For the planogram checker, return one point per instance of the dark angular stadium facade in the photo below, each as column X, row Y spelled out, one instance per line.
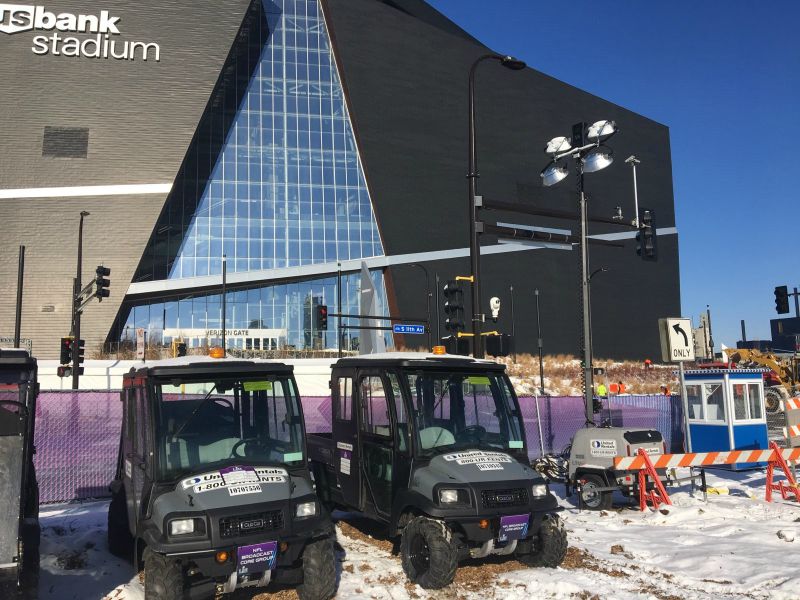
column 294, row 138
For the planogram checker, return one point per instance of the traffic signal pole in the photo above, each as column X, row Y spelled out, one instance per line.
column 76, row 309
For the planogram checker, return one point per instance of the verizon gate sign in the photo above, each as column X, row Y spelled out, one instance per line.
column 98, row 40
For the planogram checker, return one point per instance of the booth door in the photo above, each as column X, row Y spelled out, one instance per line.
column 708, row 426
column 749, row 420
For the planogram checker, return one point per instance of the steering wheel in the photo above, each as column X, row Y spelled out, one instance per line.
column 472, row 433
column 252, row 440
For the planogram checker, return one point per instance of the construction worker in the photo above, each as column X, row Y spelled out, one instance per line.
column 621, row 387
column 602, row 391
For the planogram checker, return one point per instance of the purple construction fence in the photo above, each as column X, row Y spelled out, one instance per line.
column 77, row 433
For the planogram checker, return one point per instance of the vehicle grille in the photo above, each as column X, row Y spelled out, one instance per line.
column 503, row 498
column 249, row 524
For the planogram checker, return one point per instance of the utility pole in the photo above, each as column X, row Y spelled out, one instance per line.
column 224, row 307
column 540, row 345
column 20, row 279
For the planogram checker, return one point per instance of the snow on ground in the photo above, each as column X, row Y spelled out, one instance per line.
column 734, row 546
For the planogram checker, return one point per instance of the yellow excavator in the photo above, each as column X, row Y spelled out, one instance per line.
column 782, row 381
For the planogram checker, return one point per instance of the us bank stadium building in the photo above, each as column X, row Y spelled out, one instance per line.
column 297, row 138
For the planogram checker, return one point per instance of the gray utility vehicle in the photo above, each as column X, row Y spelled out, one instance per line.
column 212, row 490
column 591, row 462
column 434, row 448
column 19, row 492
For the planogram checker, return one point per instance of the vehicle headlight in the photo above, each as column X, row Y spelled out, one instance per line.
column 306, row 509
column 448, row 496
column 539, row 490
column 181, row 526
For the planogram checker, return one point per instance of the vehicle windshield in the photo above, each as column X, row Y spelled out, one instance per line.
column 206, row 424
column 464, row 410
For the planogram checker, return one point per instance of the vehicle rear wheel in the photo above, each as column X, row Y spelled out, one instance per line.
column 773, row 396
column 319, row 571
column 592, row 499
column 552, row 545
column 120, row 540
column 163, row 577
column 428, row 553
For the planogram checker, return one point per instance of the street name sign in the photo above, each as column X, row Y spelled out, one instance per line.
column 412, row 329
column 677, row 343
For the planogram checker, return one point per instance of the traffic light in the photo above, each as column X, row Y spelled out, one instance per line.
column 65, row 351
column 454, row 306
column 78, row 346
column 102, row 283
column 646, row 237
column 321, row 320
column 64, row 371
column 781, row 299
column 181, row 348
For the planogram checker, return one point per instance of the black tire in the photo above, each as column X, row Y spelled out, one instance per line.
column 591, row 499
column 120, row 540
column 429, row 553
column 319, row 571
column 551, row 545
column 772, row 398
column 163, row 577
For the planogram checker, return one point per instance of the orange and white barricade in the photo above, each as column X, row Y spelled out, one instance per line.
column 790, row 404
column 774, row 457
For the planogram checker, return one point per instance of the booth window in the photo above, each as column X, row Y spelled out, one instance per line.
column 740, row 401
column 756, row 401
column 694, row 397
column 715, row 402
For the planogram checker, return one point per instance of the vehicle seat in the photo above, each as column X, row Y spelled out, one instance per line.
column 431, row 437
column 177, row 454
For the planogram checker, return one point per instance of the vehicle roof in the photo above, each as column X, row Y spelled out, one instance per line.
column 418, row 360
column 17, row 358
column 205, row 365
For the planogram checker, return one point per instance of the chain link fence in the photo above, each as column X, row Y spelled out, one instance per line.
column 77, row 432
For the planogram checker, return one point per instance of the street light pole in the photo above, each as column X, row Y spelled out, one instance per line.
column 586, row 338
column 472, row 177
column 76, row 313
column 633, row 161
column 427, row 301
column 539, row 344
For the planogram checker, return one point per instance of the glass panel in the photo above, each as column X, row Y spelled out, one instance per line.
column 756, row 401
column 400, row 413
column 374, row 407
column 694, row 397
column 715, row 403
column 739, row 401
column 345, row 406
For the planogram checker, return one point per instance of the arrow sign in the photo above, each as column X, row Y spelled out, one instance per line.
column 678, row 329
column 677, row 343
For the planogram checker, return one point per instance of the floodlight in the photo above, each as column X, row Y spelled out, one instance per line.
column 553, row 173
column 557, row 145
column 512, row 63
column 601, row 130
column 597, row 159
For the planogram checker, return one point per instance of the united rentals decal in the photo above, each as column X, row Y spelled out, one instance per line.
column 99, row 43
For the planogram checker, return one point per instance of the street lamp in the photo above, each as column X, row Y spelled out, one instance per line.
column 512, row 63
column 590, row 155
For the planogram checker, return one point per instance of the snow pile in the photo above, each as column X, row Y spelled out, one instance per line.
column 733, row 546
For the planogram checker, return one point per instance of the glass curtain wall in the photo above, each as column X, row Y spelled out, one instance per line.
column 288, row 188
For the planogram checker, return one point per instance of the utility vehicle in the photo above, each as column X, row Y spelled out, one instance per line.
column 19, row 491
column 433, row 447
column 212, row 489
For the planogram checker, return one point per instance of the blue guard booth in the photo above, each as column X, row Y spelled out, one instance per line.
column 726, row 410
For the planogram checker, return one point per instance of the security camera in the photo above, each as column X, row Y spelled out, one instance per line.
column 494, row 304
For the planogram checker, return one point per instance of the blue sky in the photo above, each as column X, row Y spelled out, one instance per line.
column 725, row 78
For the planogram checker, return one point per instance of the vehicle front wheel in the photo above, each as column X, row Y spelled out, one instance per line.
column 551, row 545
column 428, row 553
column 593, row 499
column 163, row 577
column 319, row 571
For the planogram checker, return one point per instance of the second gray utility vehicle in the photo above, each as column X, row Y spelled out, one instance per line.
column 434, row 448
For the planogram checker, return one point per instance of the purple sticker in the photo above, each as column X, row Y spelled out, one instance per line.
column 513, row 527
column 238, row 475
column 257, row 558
